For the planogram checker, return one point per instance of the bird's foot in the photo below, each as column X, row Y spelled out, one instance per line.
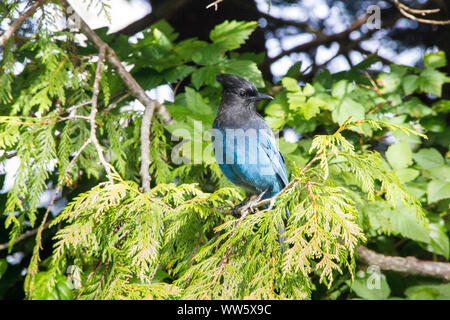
column 236, row 210
column 251, row 203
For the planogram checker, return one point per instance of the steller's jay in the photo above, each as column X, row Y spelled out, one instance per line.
column 244, row 144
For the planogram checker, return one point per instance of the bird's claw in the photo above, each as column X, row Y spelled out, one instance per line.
column 249, row 205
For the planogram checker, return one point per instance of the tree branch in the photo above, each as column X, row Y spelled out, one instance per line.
column 408, row 265
column 321, row 39
column 16, row 25
column 145, row 149
column 132, row 85
column 94, row 108
column 409, row 13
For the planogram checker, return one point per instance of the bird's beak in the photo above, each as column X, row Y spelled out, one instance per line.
column 262, row 96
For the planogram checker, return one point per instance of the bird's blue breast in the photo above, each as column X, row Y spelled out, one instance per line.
column 250, row 159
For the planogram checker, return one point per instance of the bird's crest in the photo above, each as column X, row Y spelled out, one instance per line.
column 230, row 81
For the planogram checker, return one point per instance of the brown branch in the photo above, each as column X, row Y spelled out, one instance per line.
column 23, row 236
column 408, row 265
column 283, row 22
column 409, row 13
column 132, row 85
column 16, row 25
column 145, row 149
column 214, row 4
column 323, row 39
column 94, row 108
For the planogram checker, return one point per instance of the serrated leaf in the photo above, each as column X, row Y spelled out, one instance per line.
column 435, row 60
column 290, row 84
column 209, row 55
column 407, row 174
column 206, row 75
column 371, row 286
column 308, row 90
column 441, row 173
column 438, row 190
column 410, row 83
column 399, row 155
column 435, row 291
column 439, row 242
column 312, row 107
column 431, row 81
column 245, row 69
column 429, row 158
column 232, row 34
column 347, row 108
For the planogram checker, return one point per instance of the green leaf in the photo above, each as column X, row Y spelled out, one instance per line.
column 341, row 88
column 3, row 267
column 296, row 100
column 438, row 291
column 245, row 69
column 348, row 107
column 429, row 158
column 196, row 103
column 431, row 81
column 64, row 287
column 435, row 60
column 422, row 293
column 438, row 190
column 389, row 82
column 232, row 34
column 407, row 174
column 311, row 108
column 209, row 55
column 187, row 48
column 286, row 147
column 290, row 84
column 294, row 70
column 441, row 173
column 399, row 155
column 410, row 84
column 439, row 242
column 206, row 75
column 308, row 90
column 371, row 286
column 397, row 221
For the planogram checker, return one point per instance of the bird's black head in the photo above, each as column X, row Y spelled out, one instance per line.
column 240, row 90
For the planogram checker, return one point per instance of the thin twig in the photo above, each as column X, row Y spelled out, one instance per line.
column 115, row 103
column 93, row 133
column 132, row 85
column 145, row 149
column 409, row 13
column 16, row 25
column 215, row 4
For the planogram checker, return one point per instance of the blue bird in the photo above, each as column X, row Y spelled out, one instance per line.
column 244, row 144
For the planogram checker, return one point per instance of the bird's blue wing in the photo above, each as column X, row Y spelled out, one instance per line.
column 269, row 145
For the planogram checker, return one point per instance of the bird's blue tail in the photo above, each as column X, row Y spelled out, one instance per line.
column 281, row 228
